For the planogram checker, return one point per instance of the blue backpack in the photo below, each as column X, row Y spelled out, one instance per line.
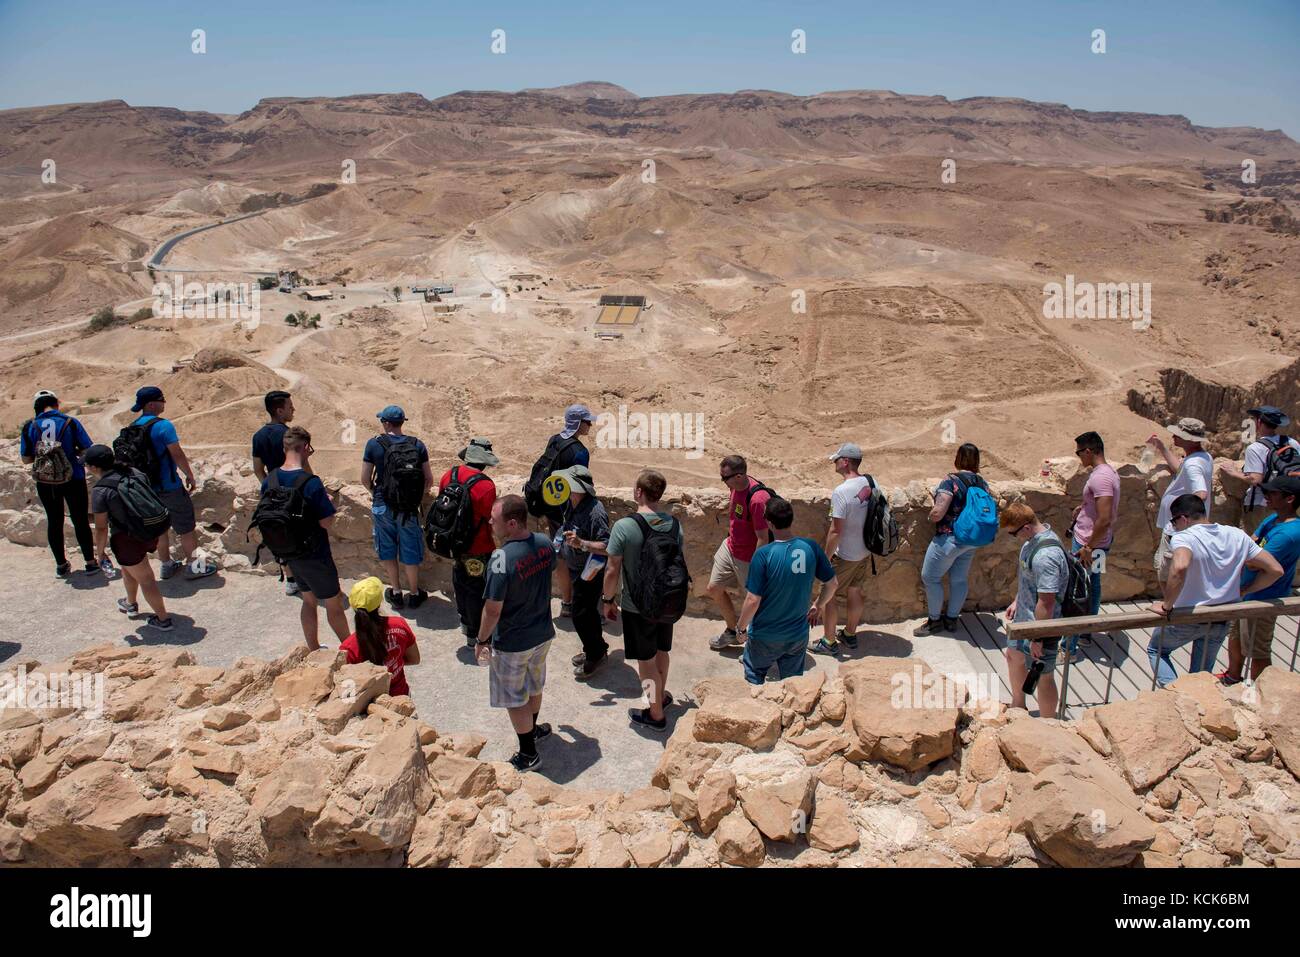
column 977, row 522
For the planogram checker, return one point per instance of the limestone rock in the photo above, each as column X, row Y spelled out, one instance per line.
column 909, row 736
column 833, row 827
column 1279, row 704
column 982, row 760
column 739, row 842
column 984, row 842
column 1147, row 736
column 376, row 806
column 715, row 799
column 748, row 721
column 1214, row 710
column 458, row 777
column 223, row 719
column 90, row 817
column 775, row 792
column 1078, row 822
column 290, row 798
column 651, row 849
column 435, row 839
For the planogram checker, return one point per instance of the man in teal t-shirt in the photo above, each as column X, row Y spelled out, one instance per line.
column 1279, row 535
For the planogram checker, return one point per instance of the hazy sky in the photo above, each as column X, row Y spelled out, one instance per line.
column 1218, row 63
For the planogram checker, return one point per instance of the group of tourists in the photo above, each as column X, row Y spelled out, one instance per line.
column 633, row 570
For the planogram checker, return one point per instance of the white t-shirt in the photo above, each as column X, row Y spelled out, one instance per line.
column 1218, row 554
column 845, row 504
column 1256, row 463
column 1196, row 475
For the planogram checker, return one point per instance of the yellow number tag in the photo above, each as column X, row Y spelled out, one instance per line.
column 555, row 490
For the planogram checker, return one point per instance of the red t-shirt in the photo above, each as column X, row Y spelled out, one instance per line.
column 743, row 528
column 400, row 637
column 481, row 498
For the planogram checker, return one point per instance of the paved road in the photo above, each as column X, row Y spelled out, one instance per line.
column 223, row 617
column 155, row 261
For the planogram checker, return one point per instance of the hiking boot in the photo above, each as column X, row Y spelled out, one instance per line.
column 541, row 731
column 932, row 626
column 586, row 667
column 642, row 719
column 169, row 568
column 566, row 609
column 525, row 762
column 161, row 624
column 394, row 598
column 63, row 568
column 948, row 624
column 127, row 607
column 850, row 640
column 202, row 570
column 727, row 639
column 291, row 587
column 417, row 599
column 824, row 647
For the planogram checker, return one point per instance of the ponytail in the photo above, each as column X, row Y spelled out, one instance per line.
column 372, row 636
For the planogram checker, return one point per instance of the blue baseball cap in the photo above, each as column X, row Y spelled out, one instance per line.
column 391, row 413
column 145, row 395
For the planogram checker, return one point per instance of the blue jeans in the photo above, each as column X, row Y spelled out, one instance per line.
column 397, row 536
column 945, row 557
column 1094, row 602
column 759, row 656
column 1206, row 640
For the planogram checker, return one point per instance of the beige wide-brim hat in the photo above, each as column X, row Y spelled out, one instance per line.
column 1193, row 430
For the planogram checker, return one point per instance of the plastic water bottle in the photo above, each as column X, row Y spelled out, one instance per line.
column 1148, row 459
column 1046, row 470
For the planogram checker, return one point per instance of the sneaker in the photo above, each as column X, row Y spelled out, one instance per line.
column 931, row 626
column 578, row 659
column 471, row 642
column 668, row 700
column 159, row 623
column 106, row 566
column 541, row 731
column 127, row 607
column 586, row 667
column 291, row 587
column 727, row 639
column 642, row 719
column 526, row 762
column 850, row 640
column 168, row 569
column 1084, row 639
column 948, row 624
column 417, row 599
column 1227, row 679
column 63, row 568
column 394, row 598
column 824, row 647
column 202, row 570
column 566, row 609
column 92, row 567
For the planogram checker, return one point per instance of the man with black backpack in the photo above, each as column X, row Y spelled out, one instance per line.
column 52, row 443
column 746, row 508
column 847, row 547
column 562, row 450
column 151, row 444
column 459, row 527
column 585, row 532
column 395, row 467
column 293, row 516
column 1272, row 455
column 268, row 447
column 1044, row 579
column 646, row 575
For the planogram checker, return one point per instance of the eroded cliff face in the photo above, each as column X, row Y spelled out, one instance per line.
column 309, row 761
column 228, row 493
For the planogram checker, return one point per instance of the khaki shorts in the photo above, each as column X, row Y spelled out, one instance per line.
column 727, row 569
column 515, row 676
column 851, row 574
column 1255, row 636
column 1163, row 557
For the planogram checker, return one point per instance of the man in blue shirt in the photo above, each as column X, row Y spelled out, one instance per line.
column 48, row 429
column 268, row 448
column 317, row 575
column 1279, row 535
column 150, row 403
column 778, row 604
column 398, row 534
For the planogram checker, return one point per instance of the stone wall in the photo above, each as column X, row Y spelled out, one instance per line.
column 228, row 492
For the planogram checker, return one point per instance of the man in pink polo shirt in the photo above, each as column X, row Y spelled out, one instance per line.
column 746, row 519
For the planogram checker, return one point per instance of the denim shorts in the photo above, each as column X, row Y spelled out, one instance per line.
column 759, row 656
column 1049, row 651
column 397, row 536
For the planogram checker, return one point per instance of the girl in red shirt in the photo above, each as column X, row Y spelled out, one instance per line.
column 380, row 639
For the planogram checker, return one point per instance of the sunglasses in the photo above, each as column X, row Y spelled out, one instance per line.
column 728, row 476
column 1017, row 531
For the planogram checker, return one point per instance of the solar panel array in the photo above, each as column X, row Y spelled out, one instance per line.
column 638, row 301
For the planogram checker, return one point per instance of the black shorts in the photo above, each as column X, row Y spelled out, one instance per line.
column 317, row 574
column 130, row 551
column 642, row 639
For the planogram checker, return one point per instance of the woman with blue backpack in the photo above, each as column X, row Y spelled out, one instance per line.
column 965, row 518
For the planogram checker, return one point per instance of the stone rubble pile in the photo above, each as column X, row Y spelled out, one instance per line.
column 309, row 761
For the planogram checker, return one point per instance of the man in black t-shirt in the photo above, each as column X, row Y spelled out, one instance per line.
column 268, row 451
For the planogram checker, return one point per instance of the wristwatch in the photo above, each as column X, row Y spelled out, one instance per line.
column 607, row 601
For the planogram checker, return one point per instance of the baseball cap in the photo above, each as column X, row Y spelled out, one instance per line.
column 391, row 413
column 100, row 456
column 847, row 451
column 1286, row 484
column 1271, row 416
column 574, row 416
column 145, row 395
column 367, row 594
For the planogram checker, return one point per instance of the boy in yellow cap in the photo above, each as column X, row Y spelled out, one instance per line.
column 380, row 639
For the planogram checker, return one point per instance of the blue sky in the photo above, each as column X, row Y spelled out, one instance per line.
column 1218, row 63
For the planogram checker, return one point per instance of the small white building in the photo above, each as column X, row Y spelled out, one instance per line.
column 316, row 293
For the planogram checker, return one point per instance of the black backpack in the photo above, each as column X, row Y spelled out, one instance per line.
column 134, row 506
column 401, row 477
column 288, row 527
column 449, row 527
column 662, row 585
column 134, row 447
column 1078, row 587
column 51, row 464
column 879, row 530
column 542, row 469
column 1283, row 460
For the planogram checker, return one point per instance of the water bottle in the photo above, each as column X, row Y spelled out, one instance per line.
column 1147, row 459
column 1046, row 470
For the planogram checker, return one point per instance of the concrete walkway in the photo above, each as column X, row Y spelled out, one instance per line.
column 230, row 615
